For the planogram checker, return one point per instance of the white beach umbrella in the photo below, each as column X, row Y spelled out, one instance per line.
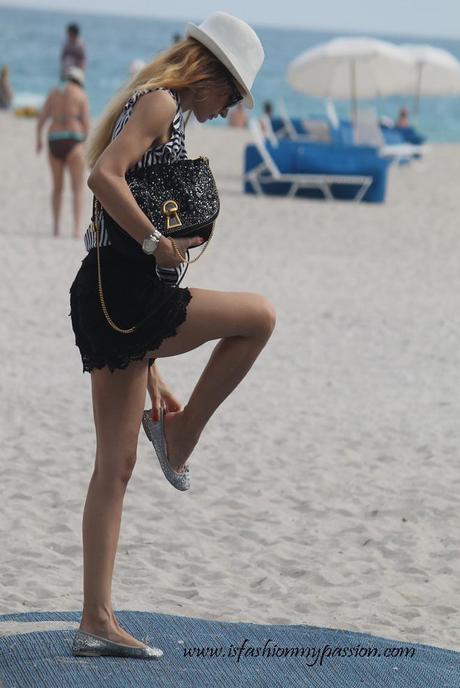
column 355, row 68
column 437, row 72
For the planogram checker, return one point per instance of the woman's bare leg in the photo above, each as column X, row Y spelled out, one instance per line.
column 244, row 322
column 76, row 164
column 57, row 174
column 118, row 403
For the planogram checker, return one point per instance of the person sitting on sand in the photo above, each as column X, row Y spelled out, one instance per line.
column 403, row 118
column 6, row 92
column 267, row 114
column 68, row 109
column 207, row 73
column 268, row 109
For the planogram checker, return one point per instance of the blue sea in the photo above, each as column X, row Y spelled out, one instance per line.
column 31, row 40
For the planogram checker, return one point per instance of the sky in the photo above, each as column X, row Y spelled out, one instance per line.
column 436, row 18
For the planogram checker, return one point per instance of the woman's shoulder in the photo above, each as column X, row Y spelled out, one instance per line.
column 154, row 105
column 147, row 109
column 53, row 99
column 156, row 94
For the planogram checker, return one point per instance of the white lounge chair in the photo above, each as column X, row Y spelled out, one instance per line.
column 268, row 130
column 267, row 171
column 331, row 113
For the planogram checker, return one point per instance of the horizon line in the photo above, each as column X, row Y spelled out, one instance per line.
column 274, row 25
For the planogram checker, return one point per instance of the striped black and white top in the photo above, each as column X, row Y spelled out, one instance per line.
column 172, row 150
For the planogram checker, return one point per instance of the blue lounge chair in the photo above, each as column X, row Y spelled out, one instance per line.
column 407, row 134
column 285, row 170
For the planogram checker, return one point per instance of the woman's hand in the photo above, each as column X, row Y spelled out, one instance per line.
column 160, row 394
column 166, row 256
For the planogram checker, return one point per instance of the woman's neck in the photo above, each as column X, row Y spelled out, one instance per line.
column 185, row 97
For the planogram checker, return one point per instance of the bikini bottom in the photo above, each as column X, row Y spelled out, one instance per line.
column 61, row 143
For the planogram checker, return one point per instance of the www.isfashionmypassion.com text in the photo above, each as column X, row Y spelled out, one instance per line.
column 311, row 655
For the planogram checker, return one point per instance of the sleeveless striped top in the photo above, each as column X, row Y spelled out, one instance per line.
column 174, row 149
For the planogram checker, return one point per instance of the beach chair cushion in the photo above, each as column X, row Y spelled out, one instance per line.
column 408, row 134
column 392, row 136
column 319, row 158
column 343, row 134
column 277, row 124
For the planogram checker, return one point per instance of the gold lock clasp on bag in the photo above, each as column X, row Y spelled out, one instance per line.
column 169, row 210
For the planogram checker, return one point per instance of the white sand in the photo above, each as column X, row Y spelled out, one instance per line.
column 325, row 489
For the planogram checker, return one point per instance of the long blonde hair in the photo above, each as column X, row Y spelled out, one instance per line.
column 187, row 64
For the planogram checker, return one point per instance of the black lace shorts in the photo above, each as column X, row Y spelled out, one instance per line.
column 133, row 293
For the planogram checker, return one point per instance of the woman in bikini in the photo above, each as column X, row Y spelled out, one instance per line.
column 67, row 108
column 207, row 73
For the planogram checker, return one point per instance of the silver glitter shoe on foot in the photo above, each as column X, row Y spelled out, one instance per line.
column 89, row 645
column 155, row 433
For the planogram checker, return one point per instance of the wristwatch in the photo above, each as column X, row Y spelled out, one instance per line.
column 150, row 243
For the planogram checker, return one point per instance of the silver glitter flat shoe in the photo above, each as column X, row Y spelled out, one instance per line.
column 89, row 645
column 155, row 433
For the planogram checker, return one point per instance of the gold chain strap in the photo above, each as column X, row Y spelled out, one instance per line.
column 184, row 258
column 94, row 226
column 129, row 330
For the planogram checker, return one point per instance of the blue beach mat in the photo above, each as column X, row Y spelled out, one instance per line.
column 35, row 652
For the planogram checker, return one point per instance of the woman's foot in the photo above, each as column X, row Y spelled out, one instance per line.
column 180, row 443
column 110, row 631
column 113, row 633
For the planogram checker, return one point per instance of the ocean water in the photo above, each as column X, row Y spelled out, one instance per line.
column 31, row 41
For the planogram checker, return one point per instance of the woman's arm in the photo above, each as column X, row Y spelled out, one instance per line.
column 150, row 121
column 85, row 116
column 160, row 394
column 45, row 113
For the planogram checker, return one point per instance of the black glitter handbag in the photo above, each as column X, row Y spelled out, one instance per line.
column 179, row 198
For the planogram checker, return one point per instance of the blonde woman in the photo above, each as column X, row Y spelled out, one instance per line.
column 67, row 109
column 144, row 125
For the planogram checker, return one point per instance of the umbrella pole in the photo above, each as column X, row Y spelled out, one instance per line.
column 418, row 88
column 353, row 90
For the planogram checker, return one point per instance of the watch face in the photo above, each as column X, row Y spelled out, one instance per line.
column 149, row 245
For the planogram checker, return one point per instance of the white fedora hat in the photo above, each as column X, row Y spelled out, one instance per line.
column 235, row 44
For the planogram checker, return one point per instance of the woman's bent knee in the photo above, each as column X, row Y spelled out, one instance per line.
column 218, row 315
column 266, row 316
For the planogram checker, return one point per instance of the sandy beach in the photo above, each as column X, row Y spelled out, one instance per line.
column 325, row 489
